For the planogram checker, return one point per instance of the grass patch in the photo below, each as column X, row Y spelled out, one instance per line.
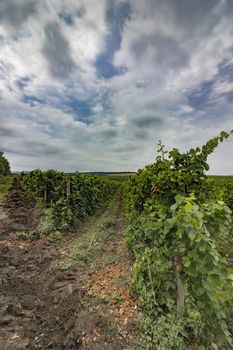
column 95, row 233
column 108, row 224
column 46, row 227
column 55, row 236
column 90, row 245
column 25, row 235
column 5, row 185
column 123, row 281
column 107, row 259
column 113, row 299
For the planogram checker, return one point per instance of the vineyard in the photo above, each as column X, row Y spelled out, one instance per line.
column 68, row 198
column 180, row 233
column 142, row 261
column 63, row 265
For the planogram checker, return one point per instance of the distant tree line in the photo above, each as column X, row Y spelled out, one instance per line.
column 4, row 165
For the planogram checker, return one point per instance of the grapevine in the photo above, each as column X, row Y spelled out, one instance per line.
column 177, row 224
column 50, row 189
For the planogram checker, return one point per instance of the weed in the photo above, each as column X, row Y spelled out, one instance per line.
column 81, row 256
column 64, row 265
column 108, row 224
column 106, row 259
column 55, row 236
column 5, row 185
column 123, row 281
column 47, row 225
column 85, row 303
column 117, row 299
column 27, row 235
column 105, row 298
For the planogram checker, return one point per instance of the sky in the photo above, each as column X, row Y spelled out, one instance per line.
column 94, row 85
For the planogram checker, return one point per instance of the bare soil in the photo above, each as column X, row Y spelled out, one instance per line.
column 44, row 307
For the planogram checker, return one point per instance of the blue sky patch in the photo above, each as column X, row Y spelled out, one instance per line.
column 81, row 109
column 32, row 100
column 199, row 97
column 116, row 17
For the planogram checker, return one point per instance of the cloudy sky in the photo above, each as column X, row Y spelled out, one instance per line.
column 93, row 85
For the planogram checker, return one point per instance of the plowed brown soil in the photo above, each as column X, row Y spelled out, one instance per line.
column 42, row 307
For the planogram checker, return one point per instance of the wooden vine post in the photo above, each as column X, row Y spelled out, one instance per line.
column 180, row 286
column 45, row 193
column 68, row 187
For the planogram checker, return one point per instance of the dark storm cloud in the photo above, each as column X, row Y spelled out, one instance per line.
column 81, row 11
column 67, row 18
column 32, row 100
column 56, row 50
column 225, row 70
column 229, row 96
column 23, row 82
column 141, row 134
column 15, row 14
column 128, row 148
column 167, row 50
column 41, row 149
column 147, row 122
column 32, row 149
column 107, row 135
column 7, row 132
column 194, row 14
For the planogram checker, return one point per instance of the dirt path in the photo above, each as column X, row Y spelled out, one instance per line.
column 72, row 295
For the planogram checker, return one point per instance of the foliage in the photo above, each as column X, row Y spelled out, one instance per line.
column 165, row 333
column 179, row 173
column 175, row 232
column 47, row 225
column 221, row 187
column 26, row 235
column 5, row 185
column 227, row 194
column 68, row 197
column 55, row 236
column 61, row 214
column 50, row 184
column 4, row 165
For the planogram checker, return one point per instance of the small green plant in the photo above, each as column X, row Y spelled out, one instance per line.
column 107, row 258
column 61, row 214
column 65, row 265
column 108, row 224
column 81, row 256
column 123, row 281
column 47, row 224
column 105, row 298
column 167, row 332
column 117, row 299
column 55, row 236
column 26, row 235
